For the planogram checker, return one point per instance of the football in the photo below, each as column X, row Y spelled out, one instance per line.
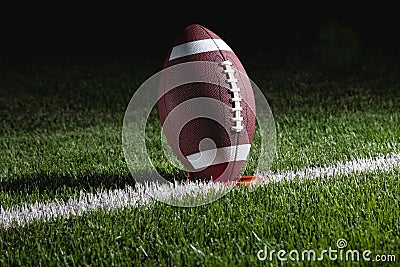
column 214, row 144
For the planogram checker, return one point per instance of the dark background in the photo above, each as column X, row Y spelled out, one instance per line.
column 66, row 29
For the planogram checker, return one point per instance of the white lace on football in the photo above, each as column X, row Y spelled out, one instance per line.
column 235, row 100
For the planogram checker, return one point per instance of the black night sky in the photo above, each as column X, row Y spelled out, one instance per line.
column 65, row 29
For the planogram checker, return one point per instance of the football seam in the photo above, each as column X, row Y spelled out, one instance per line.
column 227, row 58
column 238, row 135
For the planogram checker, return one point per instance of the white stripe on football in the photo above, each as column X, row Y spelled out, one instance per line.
column 219, row 155
column 198, row 46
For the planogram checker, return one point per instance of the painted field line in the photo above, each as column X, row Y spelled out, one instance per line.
column 21, row 215
column 379, row 163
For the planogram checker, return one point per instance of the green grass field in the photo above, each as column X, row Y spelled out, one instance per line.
column 60, row 134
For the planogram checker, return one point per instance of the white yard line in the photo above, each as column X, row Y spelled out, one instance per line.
column 379, row 163
column 141, row 196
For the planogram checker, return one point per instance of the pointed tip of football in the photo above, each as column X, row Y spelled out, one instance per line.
column 195, row 32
